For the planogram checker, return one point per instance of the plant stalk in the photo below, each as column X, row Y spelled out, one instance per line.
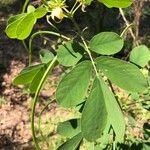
column 25, row 6
column 35, row 99
column 85, row 44
column 39, row 33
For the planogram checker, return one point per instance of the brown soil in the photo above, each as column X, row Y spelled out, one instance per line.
column 15, row 105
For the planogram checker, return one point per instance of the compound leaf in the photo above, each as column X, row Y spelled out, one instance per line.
column 12, row 25
column 25, row 26
column 22, row 27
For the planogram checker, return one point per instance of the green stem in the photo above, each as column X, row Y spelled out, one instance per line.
column 35, row 99
column 39, row 33
column 114, row 145
column 86, row 46
column 25, row 45
column 127, row 24
column 39, row 123
column 23, row 10
column 76, row 9
column 126, row 29
column 40, row 120
column 73, row 7
column 89, row 53
column 25, row 6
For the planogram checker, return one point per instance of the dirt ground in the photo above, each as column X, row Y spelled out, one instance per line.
column 15, row 104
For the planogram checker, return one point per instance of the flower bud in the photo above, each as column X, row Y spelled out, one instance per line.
column 58, row 13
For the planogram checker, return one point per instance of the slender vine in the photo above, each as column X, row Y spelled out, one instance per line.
column 39, row 33
column 85, row 44
column 23, row 10
column 126, row 30
column 40, row 120
column 25, row 6
column 128, row 25
column 35, row 99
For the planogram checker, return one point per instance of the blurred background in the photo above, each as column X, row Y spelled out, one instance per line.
column 15, row 102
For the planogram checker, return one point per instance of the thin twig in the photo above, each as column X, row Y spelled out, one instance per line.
column 127, row 23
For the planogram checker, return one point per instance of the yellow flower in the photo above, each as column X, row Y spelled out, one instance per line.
column 58, row 13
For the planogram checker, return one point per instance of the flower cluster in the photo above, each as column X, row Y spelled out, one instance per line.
column 56, row 7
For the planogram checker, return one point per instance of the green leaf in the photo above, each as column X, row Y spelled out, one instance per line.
column 37, row 79
column 22, row 27
column 46, row 56
column 12, row 25
column 98, row 147
column 140, row 55
column 69, row 128
column 26, row 75
column 106, row 43
column 71, row 144
column 69, row 53
column 87, row 2
column 25, row 26
column 73, row 87
column 40, row 12
column 14, row 18
column 30, row 9
column 94, row 115
column 117, row 3
column 115, row 116
column 124, row 74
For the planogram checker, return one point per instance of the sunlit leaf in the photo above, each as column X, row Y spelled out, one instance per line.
column 140, row 55
column 40, row 12
column 30, row 9
column 117, row 3
column 26, row 75
column 36, row 80
column 22, row 27
column 106, row 43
